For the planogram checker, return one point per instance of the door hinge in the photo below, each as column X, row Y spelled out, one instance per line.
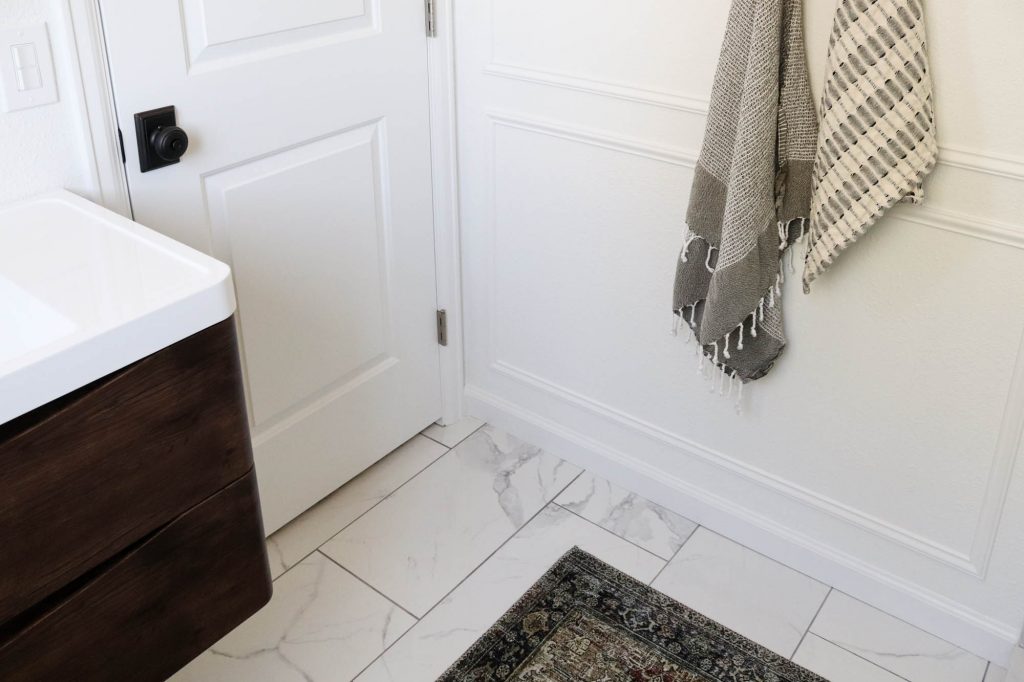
column 120, row 140
column 431, row 11
column 442, row 327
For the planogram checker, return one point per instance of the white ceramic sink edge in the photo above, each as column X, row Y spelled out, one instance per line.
column 85, row 292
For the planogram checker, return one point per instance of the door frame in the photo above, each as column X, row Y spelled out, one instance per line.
column 103, row 150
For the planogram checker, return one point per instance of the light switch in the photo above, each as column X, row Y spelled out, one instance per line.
column 26, row 68
column 29, row 78
column 24, row 56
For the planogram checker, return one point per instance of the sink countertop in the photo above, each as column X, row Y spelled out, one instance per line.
column 85, row 292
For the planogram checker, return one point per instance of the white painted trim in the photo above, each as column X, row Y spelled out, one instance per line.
column 972, row 160
column 447, row 236
column 595, row 138
column 1005, row 234
column 752, row 475
column 1009, row 449
column 998, row 165
column 928, row 610
column 668, row 100
column 99, row 116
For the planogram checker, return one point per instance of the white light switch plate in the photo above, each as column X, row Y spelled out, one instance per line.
column 26, row 68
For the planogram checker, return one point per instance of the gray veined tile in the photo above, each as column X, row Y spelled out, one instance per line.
column 462, row 617
column 893, row 644
column 418, row 544
column 743, row 590
column 295, row 541
column 628, row 515
column 836, row 664
column 322, row 625
column 453, row 434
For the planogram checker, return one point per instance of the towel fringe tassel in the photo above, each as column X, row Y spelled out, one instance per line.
column 688, row 238
column 710, row 354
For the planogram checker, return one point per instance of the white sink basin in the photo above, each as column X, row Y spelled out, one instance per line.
column 85, row 292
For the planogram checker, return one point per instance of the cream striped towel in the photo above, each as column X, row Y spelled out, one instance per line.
column 877, row 138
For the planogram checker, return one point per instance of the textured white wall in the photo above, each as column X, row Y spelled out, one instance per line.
column 44, row 148
column 881, row 454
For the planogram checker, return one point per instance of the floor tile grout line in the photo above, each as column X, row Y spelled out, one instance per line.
column 460, row 583
column 452, row 447
column 386, row 597
column 624, row 539
column 295, row 565
column 368, row 510
column 391, row 494
column 658, row 574
column 473, row 572
column 765, row 556
column 439, row 458
column 832, row 588
column 811, row 624
column 856, row 655
column 909, row 624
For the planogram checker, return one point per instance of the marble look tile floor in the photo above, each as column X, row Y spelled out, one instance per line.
column 396, row 574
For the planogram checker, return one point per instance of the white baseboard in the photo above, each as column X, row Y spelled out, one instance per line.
column 927, row 610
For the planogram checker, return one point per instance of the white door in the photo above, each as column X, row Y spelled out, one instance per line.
column 308, row 171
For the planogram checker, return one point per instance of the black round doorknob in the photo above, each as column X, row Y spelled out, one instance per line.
column 169, row 142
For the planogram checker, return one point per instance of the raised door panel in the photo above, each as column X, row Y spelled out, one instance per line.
column 218, row 29
column 227, row 20
column 306, row 233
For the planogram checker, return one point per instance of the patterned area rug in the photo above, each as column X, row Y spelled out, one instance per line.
column 584, row 621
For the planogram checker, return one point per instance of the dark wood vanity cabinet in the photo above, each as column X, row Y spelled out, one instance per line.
column 130, row 529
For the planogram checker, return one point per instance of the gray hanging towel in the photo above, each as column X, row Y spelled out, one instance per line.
column 877, row 141
column 751, row 192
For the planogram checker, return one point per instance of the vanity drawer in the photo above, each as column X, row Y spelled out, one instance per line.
column 151, row 610
column 92, row 473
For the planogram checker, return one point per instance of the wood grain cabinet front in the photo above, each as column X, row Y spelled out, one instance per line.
column 154, row 608
column 83, row 478
column 130, row 521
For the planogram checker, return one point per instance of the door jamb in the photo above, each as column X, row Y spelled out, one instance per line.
column 100, row 129
column 447, row 235
column 96, row 102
